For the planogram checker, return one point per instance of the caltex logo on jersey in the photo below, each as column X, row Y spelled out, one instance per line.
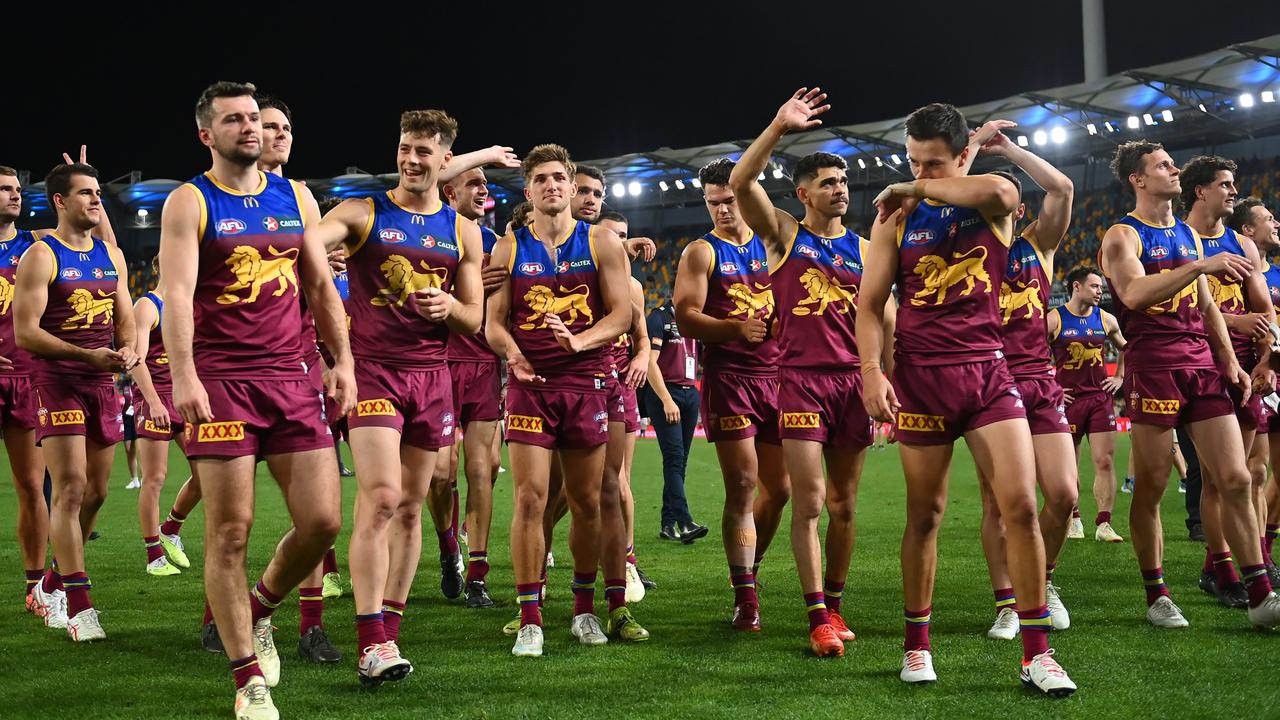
column 952, row 229
column 920, row 237
column 270, row 223
column 231, row 226
column 728, row 267
column 531, row 268
column 1158, row 252
column 563, row 267
column 807, row 251
column 756, row 265
column 391, row 235
column 839, row 261
column 71, row 274
column 1182, row 250
column 428, row 241
column 98, row 274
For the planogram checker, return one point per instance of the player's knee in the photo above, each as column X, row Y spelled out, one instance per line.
column 383, row 502
column 1234, row 483
column 924, row 519
column 739, row 484
column 228, row 538
column 1061, row 498
column 530, row 504
column 408, row 513
column 1104, row 464
column 841, row 511
column 1020, row 512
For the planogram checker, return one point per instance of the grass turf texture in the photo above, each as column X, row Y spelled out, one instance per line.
column 695, row 666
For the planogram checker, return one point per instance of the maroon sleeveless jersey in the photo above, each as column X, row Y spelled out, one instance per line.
column 1169, row 335
column 402, row 254
column 11, row 250
column 80, row 310
column 738, row 288
column 1024, row 295
column 816, row 289
column 157, row 359
column 474, row 348
column 1229, row 294
column 620, row 352
column 949, row 261
column 245, row 308
column 1077, row 350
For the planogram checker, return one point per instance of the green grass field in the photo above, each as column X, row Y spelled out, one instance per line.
column 695, row 667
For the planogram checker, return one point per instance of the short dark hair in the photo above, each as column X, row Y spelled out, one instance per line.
column 545, row 153
column 430, row 123
column 1011, row 178
column 1242, row 215
column 1079, row 274
column 520, row 215
column 1128, row 160
column 267, row 101
column 592, row 172
column 613, row 215
column 58, row 181
column 1199, row 171
column 716, row 172
column 328, row 203
column 808, row 166
column 939, row 120
column 220, row 89
column 6, row 170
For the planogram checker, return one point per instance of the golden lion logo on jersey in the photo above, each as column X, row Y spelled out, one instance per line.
column 749, row 302
column 253, row 272
column 1174, row 304
column 1227, row 296
column 6, row 296
column 542, row 301
column 88, row 308
column 403, row 280
column 1028, row 297
column 1079, row 355
column 939, row 277
column 822, row 292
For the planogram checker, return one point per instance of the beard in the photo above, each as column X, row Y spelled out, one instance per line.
column 239, row 154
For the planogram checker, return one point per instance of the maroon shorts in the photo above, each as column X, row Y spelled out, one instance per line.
column 735, row 407
column 418, row 404
column 1252, row 415
column 337, row 421
column 1168, row 398
column 259, row 418
column 825, row 407
column 148, row 430
column 557, row 418
column 1044, row 403
column 942, row 402
column 94, row 411
column 477, row 391
column 17, row 402
column 623, row 407
column 1092, row 412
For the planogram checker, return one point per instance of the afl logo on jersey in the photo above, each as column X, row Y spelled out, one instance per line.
column 728, row 267
column 531, row 268
column 920, row 237
column 71, row 274
column 1159, row 252
column 807, row 251
column 231, row 226
column 392, row 235
column 1070, row 332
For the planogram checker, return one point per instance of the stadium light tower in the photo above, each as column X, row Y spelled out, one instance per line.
column 1095, row 40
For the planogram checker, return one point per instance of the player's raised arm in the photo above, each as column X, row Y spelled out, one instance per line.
column 494, row 155
column 992, row 195
column 1055, row 212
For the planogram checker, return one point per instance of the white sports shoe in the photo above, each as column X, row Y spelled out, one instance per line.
column 134, row 484
column 1267, row 614
column 382, row 662
column 1046, row 675
column 1075, row 531
column 528, row 642
column 1163, row 613
column 1106, row 533
column 52, row 606
column 253, row 701
column 84, row 627
column 1006, row 625
column 586, row 627
column 264, row 646
column 917, row 667
column 635, row 588
column 551, row 560
column 1057, row 611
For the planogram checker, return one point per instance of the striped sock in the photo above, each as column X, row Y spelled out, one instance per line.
column 331, row 561
column 477, row 565
column 631, row 555
column 208, row 613
column 370, row 630
column 173, row 524
column 245, row 669
column 1048, row 571
column 615, row 593
column 584, row 593
column 1154, row 581
column 1004, row 599
column 917, row 635
column 833, row 592
column 262, row 602
column 77, row 586
column 33, row 579
column 1273, row 531
column 448, row 541
column 154, row 551
column 1103, row 517
column 755, row 565
column 52, row 579
column 1259, row 584
column 310, row 608
column 392, row 616
column 744, row 589
column 1035, row 625
column 530, row 606
column 816, row 605
column 1224, row 571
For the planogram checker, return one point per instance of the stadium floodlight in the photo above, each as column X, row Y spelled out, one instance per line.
column 1202, row 108
column 679, row 184
column 879, row 163
column 1246, row 100
column 1166, row 115
column 777, row 173
column 1093, row 129
column 619, row 190
column 697, row 183
column 1133, row 122
column 896, row 160
column 862, row 164
column 662, row 185
column 1146, row 118
column 633, row 188
column 1022, row 140
column 142, row 213
column 1058, row 135
column 1268, row 96
column 1109, row 126
column 1040, row 137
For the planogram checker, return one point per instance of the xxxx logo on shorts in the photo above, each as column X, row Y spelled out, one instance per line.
column 66, row 417
column 923, row 423
column 735, row 422
column 1151, row 406
column 524, row 423
column 381, row 406
column 221, row 431
column 801, row 420
column 152, row 427
column 1073, row 429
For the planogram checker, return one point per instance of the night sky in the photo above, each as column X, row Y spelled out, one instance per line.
column 601, row 78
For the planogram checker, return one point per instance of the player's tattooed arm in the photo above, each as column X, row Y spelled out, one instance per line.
column 690, row 297
column 179, row 260
column 873, row 295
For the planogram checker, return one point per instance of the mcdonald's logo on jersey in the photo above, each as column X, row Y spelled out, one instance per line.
column 221, row 431
column 251, row 202
column 800, row 420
